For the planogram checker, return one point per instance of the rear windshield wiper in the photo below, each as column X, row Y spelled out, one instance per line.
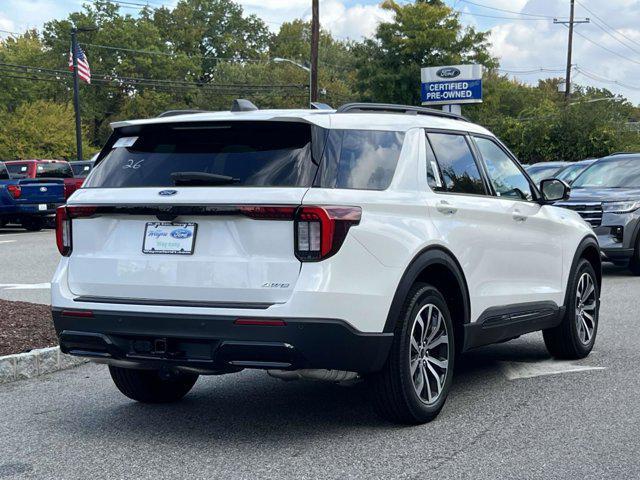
column 201, row 178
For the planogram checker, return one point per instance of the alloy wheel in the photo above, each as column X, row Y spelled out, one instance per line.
column 429, row 353
column 586, row 308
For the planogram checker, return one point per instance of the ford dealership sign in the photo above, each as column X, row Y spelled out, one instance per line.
column 453, row 85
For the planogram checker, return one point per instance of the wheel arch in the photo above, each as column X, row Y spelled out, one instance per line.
column 438, row 267
column 588, row 249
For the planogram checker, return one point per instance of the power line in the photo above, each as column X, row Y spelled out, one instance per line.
column 613, row 52
column 600, row 78
column 462, row 12
column 532, row 70
column 507, row 11
column 615, row 38
column 605, row 23
column 145, row 81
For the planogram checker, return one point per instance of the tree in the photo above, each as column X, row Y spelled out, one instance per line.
column 424, row 33
column 39, row 129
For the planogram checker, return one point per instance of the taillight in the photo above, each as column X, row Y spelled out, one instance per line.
column 15, row 191
column 267, row 212
column 63, row 231
column 320, row 231
column 64, row 215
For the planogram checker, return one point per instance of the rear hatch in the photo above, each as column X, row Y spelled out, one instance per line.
column 193, row 214
column 41, row 192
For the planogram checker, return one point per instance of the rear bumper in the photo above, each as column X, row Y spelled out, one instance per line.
column 33, row 209
column 213, row 344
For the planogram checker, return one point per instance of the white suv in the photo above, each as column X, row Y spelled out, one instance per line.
column 376, row 241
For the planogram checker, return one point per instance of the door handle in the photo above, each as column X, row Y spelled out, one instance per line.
column 445, row 207
column 519, row 217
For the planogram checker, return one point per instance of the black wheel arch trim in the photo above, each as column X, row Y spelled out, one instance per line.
column 433, row 255
column 587, row 242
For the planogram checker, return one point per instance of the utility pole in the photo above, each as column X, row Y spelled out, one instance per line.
column 571, row 22
column 315, row 40
column 76, row 92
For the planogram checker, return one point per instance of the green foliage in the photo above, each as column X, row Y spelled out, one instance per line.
column 424, row 33
column 209, row 52
column 38, row 129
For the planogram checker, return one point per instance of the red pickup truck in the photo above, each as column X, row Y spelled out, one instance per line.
column 46, row 169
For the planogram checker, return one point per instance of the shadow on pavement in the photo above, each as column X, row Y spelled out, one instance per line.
column 255, row 405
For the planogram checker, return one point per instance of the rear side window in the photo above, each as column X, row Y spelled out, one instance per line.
column 360, row 159
column 255, row 154
column 54, row 170
column 4, row 173
column 460, row 172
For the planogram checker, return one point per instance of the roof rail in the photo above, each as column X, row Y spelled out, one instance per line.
column 171, row 113
column 392, row 108
column 242, row 105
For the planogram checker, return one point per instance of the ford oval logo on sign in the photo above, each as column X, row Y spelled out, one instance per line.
column 167, row 193
column 180, row 233
column 43, row 189
column 448, row 72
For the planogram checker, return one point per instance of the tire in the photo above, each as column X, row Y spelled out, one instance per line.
column 575, row 336
column 147, row 386
column 634, row 263
column 32, row 224
column 397, row 392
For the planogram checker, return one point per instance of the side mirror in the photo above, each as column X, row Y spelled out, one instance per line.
column 554, row 190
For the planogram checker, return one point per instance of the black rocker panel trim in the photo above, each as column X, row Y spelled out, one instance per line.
column 497, row 324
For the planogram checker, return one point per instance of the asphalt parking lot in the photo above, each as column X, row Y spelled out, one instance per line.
column 29, row 260
column 513, row 413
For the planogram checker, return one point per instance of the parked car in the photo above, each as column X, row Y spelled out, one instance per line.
column 569, row 173
column 374, row 241
column 543, row 170
column 81, row 169
column 607, row 195
column 28, row 202
column 46, row 169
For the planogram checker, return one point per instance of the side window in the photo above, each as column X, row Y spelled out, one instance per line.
column 4, row 173
column 504, row 174
column 360, row 159
column 460, row 173
column 433, row 172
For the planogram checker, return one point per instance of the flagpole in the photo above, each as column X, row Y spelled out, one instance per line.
column 76, row 92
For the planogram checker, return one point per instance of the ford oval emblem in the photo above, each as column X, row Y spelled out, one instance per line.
column 167, row 193
column 180, row 233
column 43, row 189
column 448, row 72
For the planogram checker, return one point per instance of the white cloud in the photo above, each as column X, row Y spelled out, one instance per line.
column 343, row 18
column 523, row 45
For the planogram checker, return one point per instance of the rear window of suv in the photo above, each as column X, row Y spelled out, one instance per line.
column 253, row 154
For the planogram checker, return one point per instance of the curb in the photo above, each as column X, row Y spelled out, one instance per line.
column 35, row 363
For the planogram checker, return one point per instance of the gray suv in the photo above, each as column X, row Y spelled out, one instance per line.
column 607, row 195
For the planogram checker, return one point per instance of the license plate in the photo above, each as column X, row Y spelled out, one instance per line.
column 42, row 206
column 169, row 238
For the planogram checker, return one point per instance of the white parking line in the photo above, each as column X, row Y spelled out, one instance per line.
column 8, row 241
column 25, row 286
column 518, row 370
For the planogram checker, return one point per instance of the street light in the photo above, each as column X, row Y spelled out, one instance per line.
column 307, row 69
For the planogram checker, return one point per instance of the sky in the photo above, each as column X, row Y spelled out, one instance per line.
column 523, row 36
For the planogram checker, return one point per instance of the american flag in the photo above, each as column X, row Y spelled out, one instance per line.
column 84, row 72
